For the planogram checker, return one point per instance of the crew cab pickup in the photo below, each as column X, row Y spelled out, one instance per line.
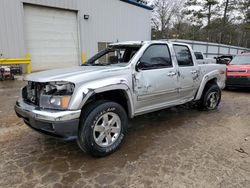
column 93, row 102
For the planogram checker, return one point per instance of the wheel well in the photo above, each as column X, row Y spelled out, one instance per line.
column 208, row 84
column 212, row 81
column 118, row 96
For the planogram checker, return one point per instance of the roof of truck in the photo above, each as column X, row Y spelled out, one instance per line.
column 128, row 43
column 139, row 42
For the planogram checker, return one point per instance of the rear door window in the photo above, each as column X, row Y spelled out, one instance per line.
column 183, row 56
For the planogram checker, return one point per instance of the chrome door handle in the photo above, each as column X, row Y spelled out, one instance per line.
column 171, row 74
column 194, row 71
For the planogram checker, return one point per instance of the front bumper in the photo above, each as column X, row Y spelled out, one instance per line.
column 238, row 81
column 61, row 124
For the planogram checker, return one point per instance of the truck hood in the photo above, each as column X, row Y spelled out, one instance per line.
column 73, row 74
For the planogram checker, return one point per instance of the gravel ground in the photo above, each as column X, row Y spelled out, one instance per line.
column 177, row 147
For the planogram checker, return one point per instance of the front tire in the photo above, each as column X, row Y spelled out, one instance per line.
column 103, row 125
column 210, row 98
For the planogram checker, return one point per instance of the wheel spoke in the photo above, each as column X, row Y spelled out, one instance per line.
column 100, row 138
column 109, row 139
column 112, row 121
column 215, row 97
column 105, row 119
column 211, row 100
column 99, row 128
column 115, row 129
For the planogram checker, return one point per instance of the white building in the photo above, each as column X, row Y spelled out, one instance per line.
column 60, row 33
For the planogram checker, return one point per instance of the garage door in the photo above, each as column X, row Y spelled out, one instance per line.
column 51, row 37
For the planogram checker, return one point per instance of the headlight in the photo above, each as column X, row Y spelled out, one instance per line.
column 57, row 95
column 55, row 102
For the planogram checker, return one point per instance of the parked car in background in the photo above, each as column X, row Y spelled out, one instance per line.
column 92, row 103
column 238, row 72
column 200, row 58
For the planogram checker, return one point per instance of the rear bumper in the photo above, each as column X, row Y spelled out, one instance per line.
column 60, row 124
column 238, row 81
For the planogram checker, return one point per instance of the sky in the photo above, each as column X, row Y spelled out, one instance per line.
column 150, row 1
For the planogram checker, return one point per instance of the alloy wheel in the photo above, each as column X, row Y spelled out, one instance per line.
column 107, row 129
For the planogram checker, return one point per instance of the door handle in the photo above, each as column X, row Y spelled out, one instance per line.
column 194, row 71
column 171, row 74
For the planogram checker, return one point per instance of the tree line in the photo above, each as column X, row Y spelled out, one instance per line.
column 219, row 21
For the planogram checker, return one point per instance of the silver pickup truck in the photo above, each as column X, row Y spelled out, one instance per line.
column 93, row 102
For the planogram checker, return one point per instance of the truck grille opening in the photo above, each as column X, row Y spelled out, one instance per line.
column 31, row 93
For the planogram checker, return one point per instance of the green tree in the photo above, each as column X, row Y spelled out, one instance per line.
column 200, row 10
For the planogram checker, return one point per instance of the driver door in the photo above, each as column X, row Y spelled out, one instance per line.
column 155, row 80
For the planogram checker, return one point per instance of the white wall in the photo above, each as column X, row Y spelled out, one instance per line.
column 110, row 20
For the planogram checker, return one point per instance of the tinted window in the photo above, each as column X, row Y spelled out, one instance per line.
column 156, row 56
column 183, row 56
column 198, row 55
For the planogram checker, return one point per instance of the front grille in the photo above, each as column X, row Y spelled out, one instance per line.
column 31, row 93
column 237, row 71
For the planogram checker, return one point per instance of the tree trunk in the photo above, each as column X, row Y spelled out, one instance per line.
column 208, row 22
column 224, row 22
column 225, row 12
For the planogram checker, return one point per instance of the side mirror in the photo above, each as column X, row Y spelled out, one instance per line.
column 140, row 65
column 137, row 66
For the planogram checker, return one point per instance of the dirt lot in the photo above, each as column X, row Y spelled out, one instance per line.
column 178, row 147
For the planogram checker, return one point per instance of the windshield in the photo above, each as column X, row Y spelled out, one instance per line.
column 113, row 55
column 241, row 60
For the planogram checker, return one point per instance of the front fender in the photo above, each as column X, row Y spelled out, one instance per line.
column 206, row 78
column 84, row 92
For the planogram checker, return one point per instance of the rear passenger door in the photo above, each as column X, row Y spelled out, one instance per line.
column 188, row 73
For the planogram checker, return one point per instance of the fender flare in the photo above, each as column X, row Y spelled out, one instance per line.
column 206, row 78
column 87, row 90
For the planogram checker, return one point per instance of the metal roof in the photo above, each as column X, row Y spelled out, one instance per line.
column 136, row 3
